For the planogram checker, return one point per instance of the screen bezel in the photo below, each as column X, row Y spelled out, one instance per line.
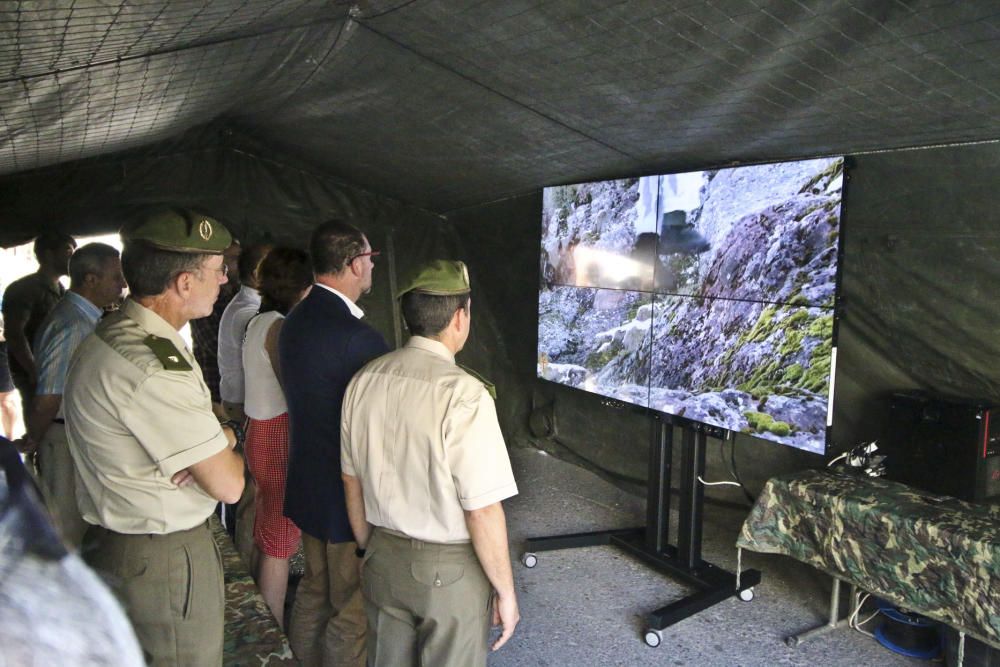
column 713, row 429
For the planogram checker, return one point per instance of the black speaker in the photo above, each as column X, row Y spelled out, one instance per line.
column 943, row 446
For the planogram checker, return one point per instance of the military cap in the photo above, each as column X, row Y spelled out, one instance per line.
column 439, row 277
column 180, row 230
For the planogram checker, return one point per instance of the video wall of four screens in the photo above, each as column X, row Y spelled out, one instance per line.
column 707, row 295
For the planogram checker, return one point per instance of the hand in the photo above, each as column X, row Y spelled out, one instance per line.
column 506, row 615
column 25, row 445
column 182, row 478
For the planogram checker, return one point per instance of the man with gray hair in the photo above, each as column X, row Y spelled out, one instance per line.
column 425, row 470
column 96, row 281
column 152, row 460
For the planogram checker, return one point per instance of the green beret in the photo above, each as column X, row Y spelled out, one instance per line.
column 180, row 230
column 439, row 277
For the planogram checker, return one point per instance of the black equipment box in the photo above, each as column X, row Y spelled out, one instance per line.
column 943, row 446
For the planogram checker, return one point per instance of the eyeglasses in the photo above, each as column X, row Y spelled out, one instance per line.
column 371, row 253
column 224, row 269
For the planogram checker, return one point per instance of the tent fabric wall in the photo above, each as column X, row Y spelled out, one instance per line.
column 920, row 282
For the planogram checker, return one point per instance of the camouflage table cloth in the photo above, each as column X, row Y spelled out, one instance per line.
column 933, row 555
column 252, row 634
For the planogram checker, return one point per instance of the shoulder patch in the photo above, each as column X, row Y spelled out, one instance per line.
column 490, row 387
column 167, row 354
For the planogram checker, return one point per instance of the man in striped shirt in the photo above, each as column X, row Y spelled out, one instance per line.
column 96, row 281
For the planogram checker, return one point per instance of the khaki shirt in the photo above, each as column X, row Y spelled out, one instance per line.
column 35, row 295
column 131, row 425
column 422, row 436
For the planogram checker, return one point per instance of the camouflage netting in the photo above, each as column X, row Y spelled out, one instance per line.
column 252, row 634
column 449, row 104
column 933, row 555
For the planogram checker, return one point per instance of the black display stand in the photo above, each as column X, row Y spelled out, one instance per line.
column 651, row 543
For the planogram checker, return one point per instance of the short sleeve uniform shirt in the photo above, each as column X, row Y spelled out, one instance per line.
column 422, row 436
column 35, row 295
column 133, row 421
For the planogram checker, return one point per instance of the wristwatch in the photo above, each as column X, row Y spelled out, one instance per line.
column 238, row 431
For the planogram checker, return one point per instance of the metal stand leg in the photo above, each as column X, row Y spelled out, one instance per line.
column 650, row 543
column 833, row 623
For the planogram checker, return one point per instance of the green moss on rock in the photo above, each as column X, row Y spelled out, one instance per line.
column 817, row 376
column 598, row 360
column 762, row 328
column 633, row 311
column 792, row 373
column 798, row 299
column 800, row 315
column 824, row 177
column 762, row 422
column 821, row 327
column 792, row 344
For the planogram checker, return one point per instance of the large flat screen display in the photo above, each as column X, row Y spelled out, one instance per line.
column 706, row 295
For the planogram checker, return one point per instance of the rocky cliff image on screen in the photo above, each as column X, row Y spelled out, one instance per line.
column 707, row 294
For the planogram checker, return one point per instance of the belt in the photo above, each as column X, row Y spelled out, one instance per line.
column 177, row 535
column 405, row 541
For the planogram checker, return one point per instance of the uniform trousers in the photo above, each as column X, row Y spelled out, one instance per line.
column 171, row 587
column 26, row 389
column 246, row 506
column 427, row 604
column 245, row 513
column 57, row 478
column 328, row 624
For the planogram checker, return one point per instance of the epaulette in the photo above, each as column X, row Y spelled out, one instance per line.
column 490, row 387
column 167, row 353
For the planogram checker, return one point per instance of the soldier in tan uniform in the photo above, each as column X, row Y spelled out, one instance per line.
column 425, row 468
column 151, row 458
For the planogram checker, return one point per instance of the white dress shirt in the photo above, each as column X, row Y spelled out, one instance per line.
column 351, row 306
column 232, row 329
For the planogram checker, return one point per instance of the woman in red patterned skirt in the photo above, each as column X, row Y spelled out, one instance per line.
column 285, row 277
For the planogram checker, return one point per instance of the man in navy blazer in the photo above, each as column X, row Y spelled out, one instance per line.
column 323, row 343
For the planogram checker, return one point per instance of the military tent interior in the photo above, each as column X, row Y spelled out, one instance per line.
column 435, row 124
